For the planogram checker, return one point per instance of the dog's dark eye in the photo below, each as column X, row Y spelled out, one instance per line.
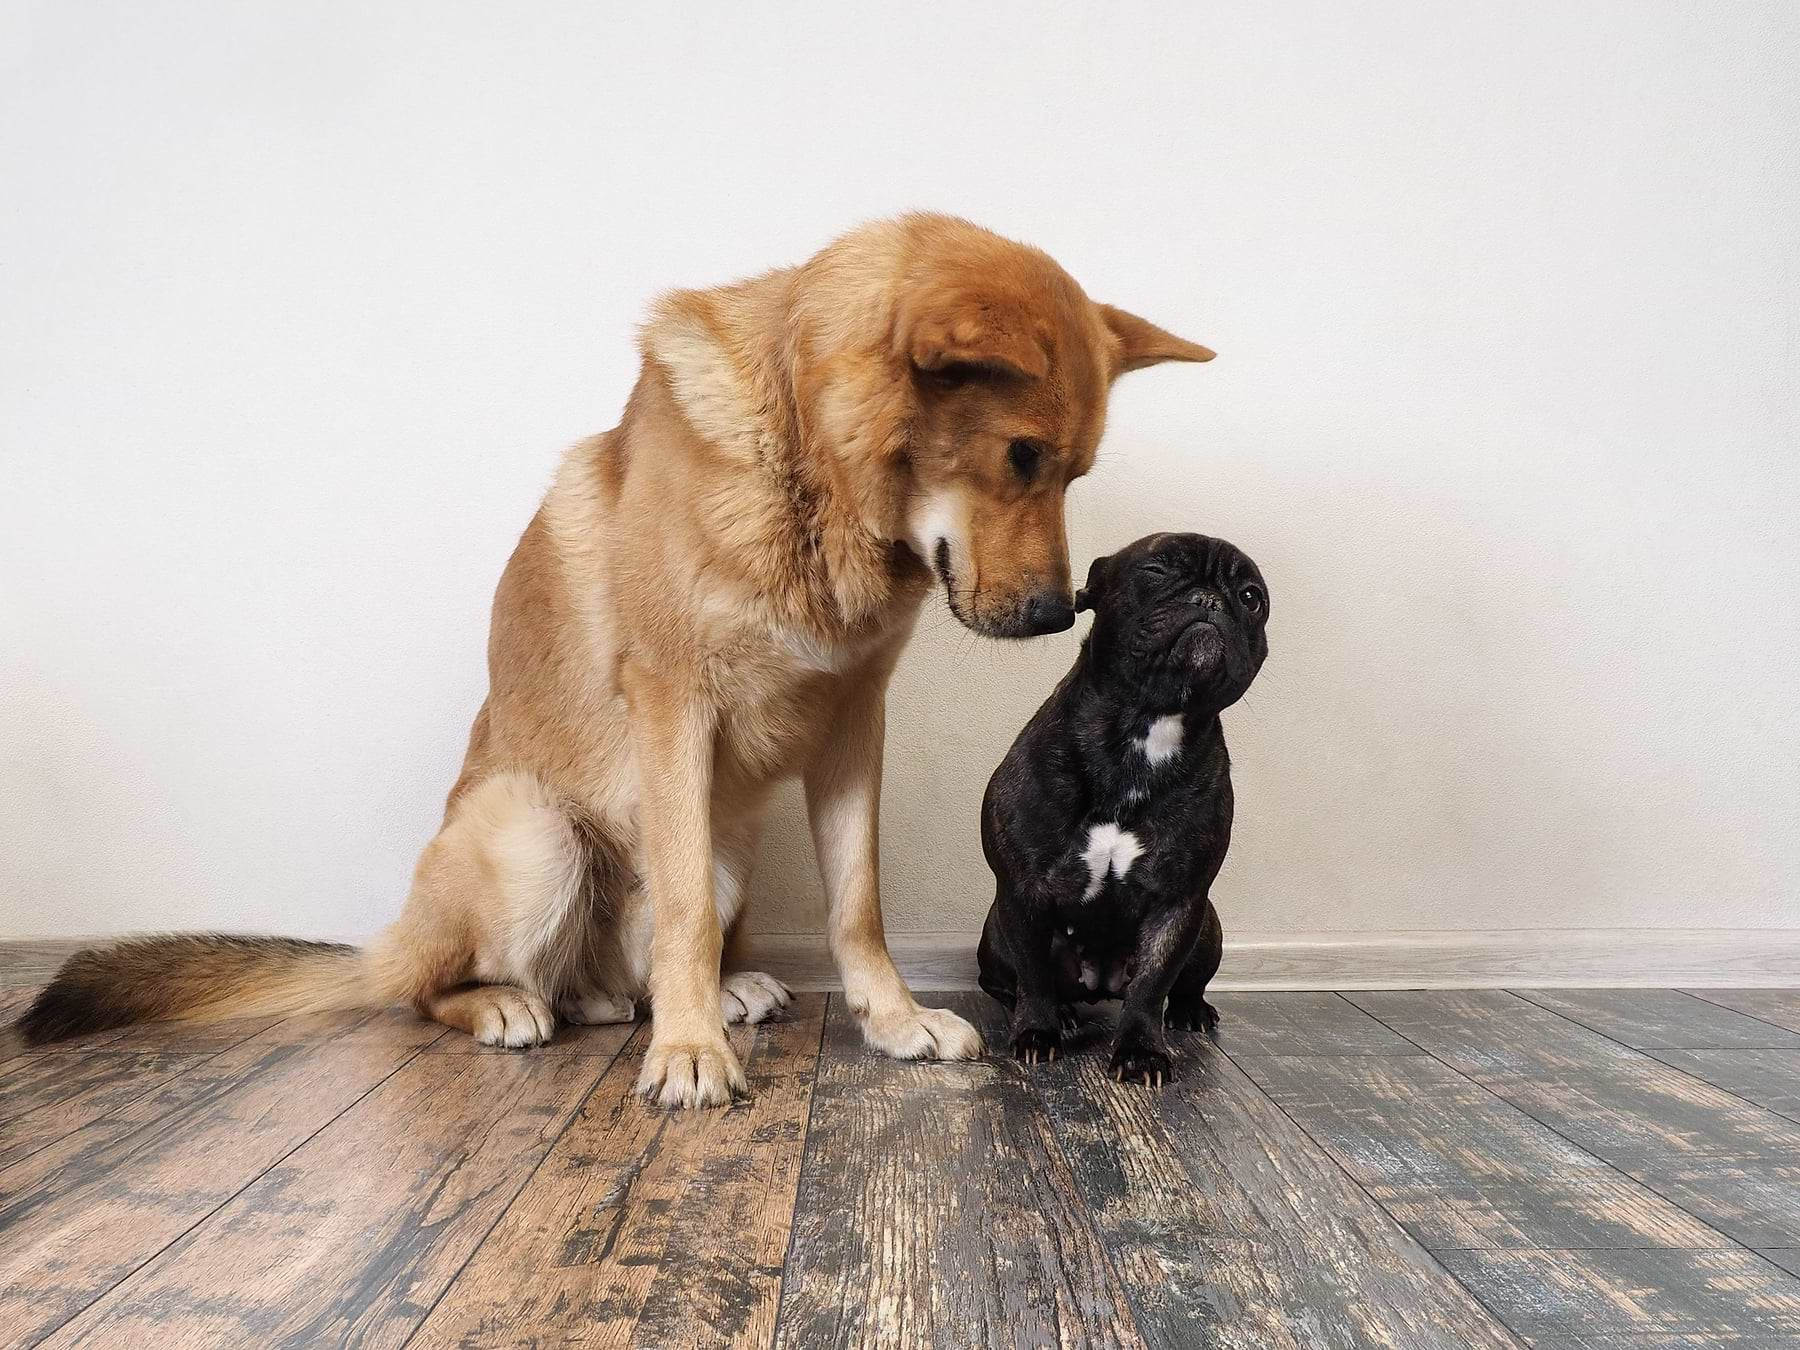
column 1024, row 457
column 1153, row 569
column 1253, row 598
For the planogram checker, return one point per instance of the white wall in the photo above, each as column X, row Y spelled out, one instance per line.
column 299, row 303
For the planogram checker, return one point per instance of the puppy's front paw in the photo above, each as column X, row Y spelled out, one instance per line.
column 922, row 1033
column 511, row 1017
column 697, row 1074
column 1137, row 1060
column 1199, row 1015
column 1037, row 1045
column 751, row 996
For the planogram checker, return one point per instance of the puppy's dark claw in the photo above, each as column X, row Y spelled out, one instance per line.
column 1138, row 1061
column 1035, row 1045
column 1196, row 1016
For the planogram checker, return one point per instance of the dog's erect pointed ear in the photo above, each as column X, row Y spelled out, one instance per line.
column 945, row 333
column 1099, row 578
column 1141, row 343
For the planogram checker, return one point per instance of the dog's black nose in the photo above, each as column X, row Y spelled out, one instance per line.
column 1048, row 612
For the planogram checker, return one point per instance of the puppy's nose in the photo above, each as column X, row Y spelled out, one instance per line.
column 1048, row 612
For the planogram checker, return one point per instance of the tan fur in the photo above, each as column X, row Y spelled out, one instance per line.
column 713, row 597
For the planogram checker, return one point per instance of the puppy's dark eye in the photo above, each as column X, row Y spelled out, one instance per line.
column 1152, row 569
column 1024, row 457
column 1253, row 598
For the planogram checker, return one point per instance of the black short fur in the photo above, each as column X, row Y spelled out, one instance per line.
column 1108, row 820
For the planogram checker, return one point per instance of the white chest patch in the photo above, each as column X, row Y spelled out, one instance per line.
column 1110, row 851
column 1163, row 741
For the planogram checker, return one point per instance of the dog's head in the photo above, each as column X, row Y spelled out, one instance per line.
column 1008, row 365
column 1180, row 617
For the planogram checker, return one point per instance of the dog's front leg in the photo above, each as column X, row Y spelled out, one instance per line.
column 1026, row 925
column 689, row 1062
column 843, row 803
column 1165, row 941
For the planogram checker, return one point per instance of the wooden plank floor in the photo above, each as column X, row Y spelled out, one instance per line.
column 1604, row 1169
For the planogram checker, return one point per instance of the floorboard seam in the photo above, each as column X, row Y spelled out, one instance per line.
column 206, row 1217
column 1042, row 1107
column 1734, row 1245
column 129, row 1101
column 1714, row 1003
column 1349, row 1176
column 586, row 1097
column 806, row 1139
column 1730, row 1092
column 1647, row 1050
column 1641, row 1181
column 1656, row 1058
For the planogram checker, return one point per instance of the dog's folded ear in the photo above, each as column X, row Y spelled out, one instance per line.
column 944, row 334
column 1141, row 343
column 1099, row 579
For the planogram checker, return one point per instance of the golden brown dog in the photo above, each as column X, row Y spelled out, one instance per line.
column 712, row 598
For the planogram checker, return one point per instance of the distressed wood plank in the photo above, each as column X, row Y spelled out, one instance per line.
column 1660, row 1019
column 1731, row 1163
column 936, row 1209
column 1770, row 1078
column 1231, row 1228
column 1779, row 1007
column 45, row 1097
column 1302, row 1024
column 1788, row 1258
column 1491, row 1034
column 26, row 961
column 353, row 1236
column 646, row 1226
column 1458, row 1167
column 1624, row 1299
column 15, row 999
column 78, row 1215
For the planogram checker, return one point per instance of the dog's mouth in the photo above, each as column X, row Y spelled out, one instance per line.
column 958, row 601
column 1201, row 645
column 940, row 563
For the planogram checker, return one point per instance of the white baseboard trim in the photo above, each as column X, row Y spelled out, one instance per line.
column 1415, row 959
column 1418, row 959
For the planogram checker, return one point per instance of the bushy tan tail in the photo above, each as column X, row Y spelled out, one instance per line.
column 200, row 976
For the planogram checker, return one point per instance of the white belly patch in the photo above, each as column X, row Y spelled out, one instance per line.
column 1110, row 851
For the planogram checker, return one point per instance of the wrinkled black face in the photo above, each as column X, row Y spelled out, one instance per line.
column 1179, row 617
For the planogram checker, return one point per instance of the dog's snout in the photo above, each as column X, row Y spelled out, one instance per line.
column 1049, row 612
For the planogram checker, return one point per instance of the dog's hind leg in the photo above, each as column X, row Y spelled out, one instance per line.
column 993, row 972
column 500, row 916
column 1188, row 1008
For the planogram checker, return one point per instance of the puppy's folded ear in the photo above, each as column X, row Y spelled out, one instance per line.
column 1099, row 580
column 1141, row 343
column 944, row 334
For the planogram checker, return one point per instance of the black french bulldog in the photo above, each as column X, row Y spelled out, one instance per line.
column 1110, row 816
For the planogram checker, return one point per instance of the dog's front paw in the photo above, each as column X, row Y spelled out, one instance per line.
column 1137, row 1060
column 751, row 996
column 698, row 1074
column 1037, row 1045
column 511, row 1017
column 1198, row 1015
column 922, row 1033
